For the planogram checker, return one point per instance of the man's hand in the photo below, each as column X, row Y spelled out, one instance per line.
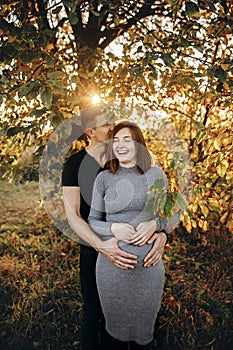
column 156, row 252
column 122, row 231
column 116, row 256
column 144, row 232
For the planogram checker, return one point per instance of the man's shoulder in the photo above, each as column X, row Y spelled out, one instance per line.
column 77, row 158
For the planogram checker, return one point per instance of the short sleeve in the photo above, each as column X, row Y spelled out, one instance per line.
column 70, row 173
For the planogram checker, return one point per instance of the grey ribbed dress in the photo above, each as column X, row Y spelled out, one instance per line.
column 130, row 299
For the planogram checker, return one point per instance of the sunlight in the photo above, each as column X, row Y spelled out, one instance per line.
column 96, row 99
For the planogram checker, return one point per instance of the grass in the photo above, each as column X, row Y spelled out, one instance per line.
column 40, row 300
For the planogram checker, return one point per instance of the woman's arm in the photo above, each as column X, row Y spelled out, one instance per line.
column 97, row 214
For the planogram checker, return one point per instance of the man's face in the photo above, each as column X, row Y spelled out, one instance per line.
column 104, row 126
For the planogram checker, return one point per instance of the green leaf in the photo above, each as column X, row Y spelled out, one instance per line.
column 190, row 214
column 28, row 57
column 190, row 81
column 50, row 60
column 95, row 13
column 173, row 164
column 57, row 10
column 124, row 71
column 73, row 18
column 15, row 130
column 37, row 113
column 184, row 42
column 180, row 202
column 29, row 31
column 68, row 3
column 192, row 9
column 162, row 200
column 168, row 59
column 154, row 74
column 55, row 75
column 156, row 202
column 49, row 32
column 168, row 205
column 3, row 80
column 211, row 5
column 59, row 87
column 116, row 19
column 57, row 119
column 220, row 74
column 25, row 89
column 46, row 96
column 43, row 40
column 158, row 184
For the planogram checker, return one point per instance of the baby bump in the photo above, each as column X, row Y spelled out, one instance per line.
column 141, row 252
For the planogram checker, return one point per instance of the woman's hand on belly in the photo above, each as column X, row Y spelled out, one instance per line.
column 143, row 233
column 122, row 231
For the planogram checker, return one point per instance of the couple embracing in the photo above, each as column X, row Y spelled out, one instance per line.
column 105, row 193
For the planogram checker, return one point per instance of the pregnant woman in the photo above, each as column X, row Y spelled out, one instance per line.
column 130, row 299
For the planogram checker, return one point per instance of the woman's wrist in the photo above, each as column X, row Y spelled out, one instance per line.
column 157, row 224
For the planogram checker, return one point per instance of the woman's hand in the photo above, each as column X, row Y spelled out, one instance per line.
column 156, row 252
column 123, row 232
column 143, row 233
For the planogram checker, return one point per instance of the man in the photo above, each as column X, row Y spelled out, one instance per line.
column 78, row 179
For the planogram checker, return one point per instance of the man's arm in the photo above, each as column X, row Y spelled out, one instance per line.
column 159, row 240
column 110, row 249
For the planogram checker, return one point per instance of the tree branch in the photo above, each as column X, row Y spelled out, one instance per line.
column 110, row 34
column 43, row 15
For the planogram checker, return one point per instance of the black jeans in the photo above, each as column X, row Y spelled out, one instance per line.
column 93, row 319
column 114, row 344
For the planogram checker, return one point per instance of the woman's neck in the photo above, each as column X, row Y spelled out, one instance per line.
column 127, row 165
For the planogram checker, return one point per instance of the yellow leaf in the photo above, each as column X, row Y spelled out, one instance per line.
column 222, row 168
column 213, row 201
column 203, row 225
column 194, row 224
column 218, row 142
column 204, row 209
column 223, row 218
column 229, row 176
column 76, row 110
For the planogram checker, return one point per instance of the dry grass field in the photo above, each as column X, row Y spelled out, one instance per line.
column 40, row 301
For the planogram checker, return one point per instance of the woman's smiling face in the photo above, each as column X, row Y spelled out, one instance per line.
column 124, row 148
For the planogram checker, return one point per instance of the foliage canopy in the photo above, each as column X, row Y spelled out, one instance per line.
column 173, row 56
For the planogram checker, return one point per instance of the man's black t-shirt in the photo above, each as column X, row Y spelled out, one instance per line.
column 81, row 170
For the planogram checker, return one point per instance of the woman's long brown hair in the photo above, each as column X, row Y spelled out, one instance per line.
column 143, row 159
